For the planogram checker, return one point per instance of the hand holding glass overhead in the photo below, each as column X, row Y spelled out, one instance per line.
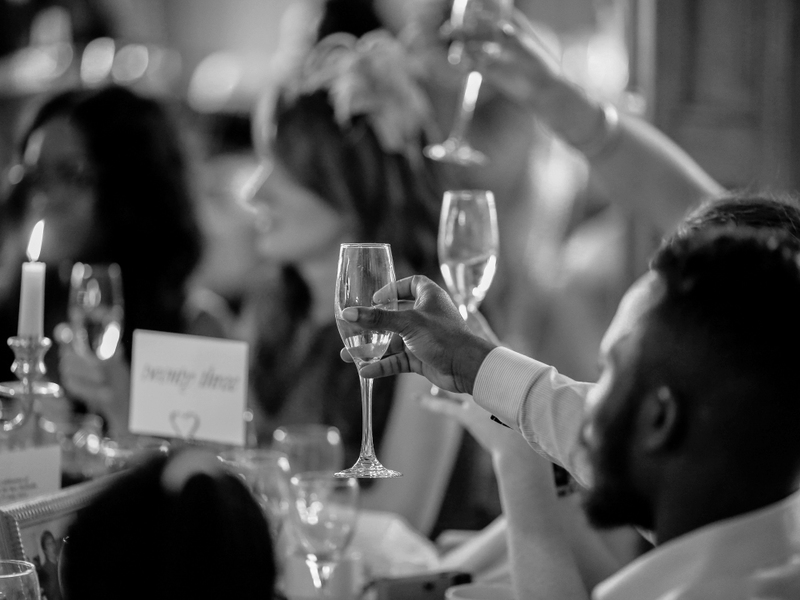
column 470, row 17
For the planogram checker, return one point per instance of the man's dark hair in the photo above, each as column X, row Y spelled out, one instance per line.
column 724, row 337
column 744, row 208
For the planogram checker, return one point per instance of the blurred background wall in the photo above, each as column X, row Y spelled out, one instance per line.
column 721, row 76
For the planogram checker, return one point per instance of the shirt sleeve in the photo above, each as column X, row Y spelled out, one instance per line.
column 534, row 398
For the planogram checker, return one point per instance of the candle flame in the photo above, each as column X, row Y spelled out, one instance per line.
column 35, row 243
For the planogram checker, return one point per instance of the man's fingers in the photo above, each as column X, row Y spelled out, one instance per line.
column 396, row 346
column 376, row 318
column 408, row 288
column 391, row 365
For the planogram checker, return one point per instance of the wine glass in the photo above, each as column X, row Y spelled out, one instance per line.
column 324, row 511
column 470, row 17
column 18, row 580
column 310, row 447
column 468, row 244
column 266, row 473
column 363, row 270
column 96, row 309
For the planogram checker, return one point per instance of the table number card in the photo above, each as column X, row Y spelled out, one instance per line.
column 29, row 472
column 189, row 387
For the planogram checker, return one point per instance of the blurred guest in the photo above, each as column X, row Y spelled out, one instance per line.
column 47, row 569
column 107, row 171
column 175, row 527
column 343, row 141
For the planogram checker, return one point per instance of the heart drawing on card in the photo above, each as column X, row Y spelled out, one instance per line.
column 184, row 423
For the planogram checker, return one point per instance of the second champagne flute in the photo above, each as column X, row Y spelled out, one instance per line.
column 363, row 270
column 468, row 243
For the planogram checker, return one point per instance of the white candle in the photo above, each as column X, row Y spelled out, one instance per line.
column 31, row 300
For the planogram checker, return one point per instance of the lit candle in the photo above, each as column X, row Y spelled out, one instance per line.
column 31, row 300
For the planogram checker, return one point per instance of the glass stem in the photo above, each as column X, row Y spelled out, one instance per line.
column 367, row 446
column 320, row 575
column 469, row 98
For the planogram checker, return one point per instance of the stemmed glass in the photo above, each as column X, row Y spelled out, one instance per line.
column 310, row 447
column 96, row 309
column 324, row 509
column 363, row 270
column 468, row 244
column 18, row 580
column 266, row 473
column 470, row 17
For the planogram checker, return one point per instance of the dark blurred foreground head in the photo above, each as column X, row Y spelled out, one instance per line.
column 175, row 527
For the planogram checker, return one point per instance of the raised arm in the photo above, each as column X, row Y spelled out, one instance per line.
column 542, row 562
column 638, row 165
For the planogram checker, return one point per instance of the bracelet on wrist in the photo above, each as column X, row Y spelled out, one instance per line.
column 604, row 138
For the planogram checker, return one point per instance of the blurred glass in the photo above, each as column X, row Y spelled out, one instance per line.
column 122, row 453
column 18, row 580
column 96, row 309
column 324, row 510
column 310, row 447
column 80, row 437
column 266, row 473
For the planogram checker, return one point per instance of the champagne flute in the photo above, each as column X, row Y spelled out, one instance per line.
column 324, row 511
column 18, row 580
column 96, row 309
column 468, row 244
column 363, row 270
column 470, row 17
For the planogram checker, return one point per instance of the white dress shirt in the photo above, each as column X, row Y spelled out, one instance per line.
column 534, row 398
column 749, row 557
column 755, row 556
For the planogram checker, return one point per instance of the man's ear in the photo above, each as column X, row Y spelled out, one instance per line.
column 659, row 419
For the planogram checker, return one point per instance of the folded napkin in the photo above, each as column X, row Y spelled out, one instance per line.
column 391, row 547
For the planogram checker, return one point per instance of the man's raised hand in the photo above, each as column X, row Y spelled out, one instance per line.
column 432, row 339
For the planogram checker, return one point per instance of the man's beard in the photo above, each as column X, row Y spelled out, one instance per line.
column 612, row 500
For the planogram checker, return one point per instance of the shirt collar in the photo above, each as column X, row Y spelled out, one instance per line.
column 729, row 548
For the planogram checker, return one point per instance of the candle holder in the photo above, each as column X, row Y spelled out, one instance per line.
column 17, row 397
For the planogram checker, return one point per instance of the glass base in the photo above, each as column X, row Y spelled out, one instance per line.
column 368, row 469
column 459, row 154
